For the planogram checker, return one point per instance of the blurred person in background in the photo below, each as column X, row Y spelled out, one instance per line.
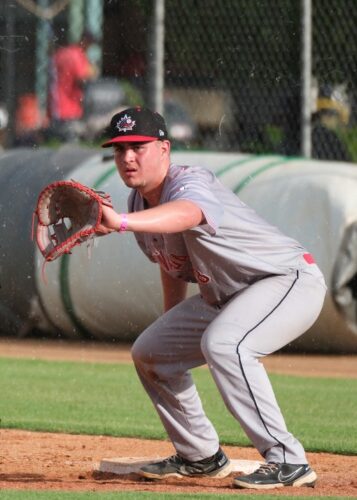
column 331, row 114
column 70, row 70
column 30, row 122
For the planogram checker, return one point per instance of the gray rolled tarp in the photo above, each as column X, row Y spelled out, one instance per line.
column 115, row 291
column 23, row 172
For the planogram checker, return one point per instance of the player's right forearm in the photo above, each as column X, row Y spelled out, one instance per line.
column 172, row 217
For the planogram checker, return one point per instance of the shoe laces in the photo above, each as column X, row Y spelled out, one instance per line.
column 267, row 468
column 176, row 459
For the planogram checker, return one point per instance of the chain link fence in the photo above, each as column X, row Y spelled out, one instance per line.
column 233, row 72
column 236, row 66
column 233, row 64
column 232, row 69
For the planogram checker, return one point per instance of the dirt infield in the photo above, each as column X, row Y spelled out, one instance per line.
column 49, row 461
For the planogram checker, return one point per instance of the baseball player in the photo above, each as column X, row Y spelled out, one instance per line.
column 258, row 291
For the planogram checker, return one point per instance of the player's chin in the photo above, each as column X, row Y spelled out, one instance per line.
column 131, row 182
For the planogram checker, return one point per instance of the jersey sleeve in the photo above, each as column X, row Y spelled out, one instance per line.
column 196, row 184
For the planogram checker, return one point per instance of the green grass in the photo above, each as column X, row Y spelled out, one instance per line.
column 108, row 399
column 54, row 495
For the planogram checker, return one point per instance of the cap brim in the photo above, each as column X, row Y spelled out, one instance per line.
column 129, row 138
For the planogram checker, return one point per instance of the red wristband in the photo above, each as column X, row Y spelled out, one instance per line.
column 124, row 223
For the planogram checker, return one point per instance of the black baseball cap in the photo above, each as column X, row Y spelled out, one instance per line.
column 136, row 125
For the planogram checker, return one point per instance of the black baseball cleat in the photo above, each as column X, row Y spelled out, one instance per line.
column 216, row 466
column 272, row 475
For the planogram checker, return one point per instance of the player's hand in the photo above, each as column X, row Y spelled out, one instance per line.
column 110, row 221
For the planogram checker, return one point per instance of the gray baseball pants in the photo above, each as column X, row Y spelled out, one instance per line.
column 258, row 321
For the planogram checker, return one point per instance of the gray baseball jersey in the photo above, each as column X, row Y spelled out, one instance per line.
column 232, row 250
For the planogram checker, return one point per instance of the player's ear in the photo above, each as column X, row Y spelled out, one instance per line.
column 165, row 146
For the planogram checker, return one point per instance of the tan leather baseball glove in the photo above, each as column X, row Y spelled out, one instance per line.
column 67, row 214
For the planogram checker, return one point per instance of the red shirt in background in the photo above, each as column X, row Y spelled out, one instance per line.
column 70, row 68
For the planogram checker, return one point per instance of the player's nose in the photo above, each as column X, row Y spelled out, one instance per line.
column 128, row 154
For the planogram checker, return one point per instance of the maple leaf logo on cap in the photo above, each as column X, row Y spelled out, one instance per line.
column 125, row 124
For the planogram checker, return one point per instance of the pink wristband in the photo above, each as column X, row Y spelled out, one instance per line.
column 124, row 223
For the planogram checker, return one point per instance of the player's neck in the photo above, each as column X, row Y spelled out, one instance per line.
column 152, row 198
column 152, row 194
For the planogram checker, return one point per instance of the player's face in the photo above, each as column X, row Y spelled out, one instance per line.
column 142, row 165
